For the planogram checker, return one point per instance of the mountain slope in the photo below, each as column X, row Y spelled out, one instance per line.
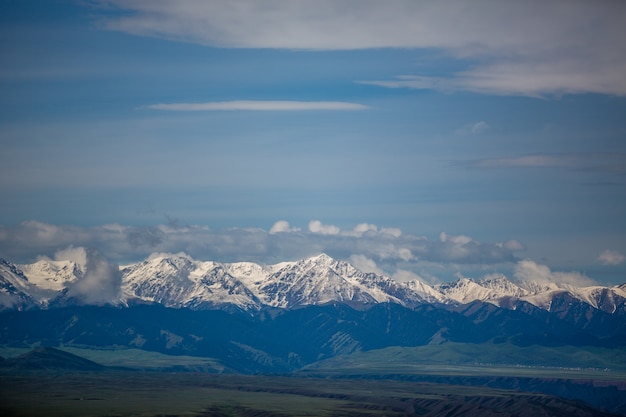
column 15, row 289
column 47, row 358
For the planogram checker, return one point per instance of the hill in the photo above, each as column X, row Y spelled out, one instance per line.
column 47, row 358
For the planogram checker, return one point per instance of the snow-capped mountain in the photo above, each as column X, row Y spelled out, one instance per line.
column 179, row 281
column 500, row 291
column 322, row 279
column 493, row 289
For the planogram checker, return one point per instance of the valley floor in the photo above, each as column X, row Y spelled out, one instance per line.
column 137, row 393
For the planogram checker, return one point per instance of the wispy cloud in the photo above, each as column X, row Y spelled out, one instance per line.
column 259, row 105
column 611, row 257
column 529, row 48
column 473, row 128
column 594, row 161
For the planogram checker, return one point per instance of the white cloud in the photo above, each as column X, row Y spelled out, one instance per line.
column 365, row 264
column 361, row 229
column 611, row 257
column 282, row 226
column 528, row 47
column 372, row 251
column 259, row 105
column 530, row 271
column 405, row 276
column 123, row 244
column 78, row 255
column 100, row 282
column 405, row 254
column 458, row 240
column 316, row 226
column 391, row 231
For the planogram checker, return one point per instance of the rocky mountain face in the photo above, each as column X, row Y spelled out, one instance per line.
column 178, row 281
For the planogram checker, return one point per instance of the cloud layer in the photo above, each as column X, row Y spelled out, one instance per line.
column 521, row 48
column 259, row 105
column 385, row 251
column 388, row 246
column 612, row 162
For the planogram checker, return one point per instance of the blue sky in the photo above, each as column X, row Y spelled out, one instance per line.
column 438, row 138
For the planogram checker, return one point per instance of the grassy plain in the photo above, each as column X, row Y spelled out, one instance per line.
column 464, row 359
column 199, row 394
column 388, row 382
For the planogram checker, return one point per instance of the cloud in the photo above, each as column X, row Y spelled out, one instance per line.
column 512, row 245
column 361, row 229
column 531, row 48
column 78, row 255
column 611, row 257
column 391, row 231
column 402, row 275
column 259, row 105
column 400, row 255
column 316, row 226
column 613, row 162
column 282, row 226
column 388, row 248
column 100, row 282
column 479, row 127
column 365, row 264
column 144, row 236
column 530, row 271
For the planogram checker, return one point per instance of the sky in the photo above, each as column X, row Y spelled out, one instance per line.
column 423, row 140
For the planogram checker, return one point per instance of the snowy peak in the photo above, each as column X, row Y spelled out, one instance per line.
column 52, row 275
column 492, row 289
column 180, row 281
column 177, row 280
column 501, row 285
column 319, row 280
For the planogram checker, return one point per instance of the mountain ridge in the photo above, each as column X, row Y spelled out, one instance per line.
column 179, row 281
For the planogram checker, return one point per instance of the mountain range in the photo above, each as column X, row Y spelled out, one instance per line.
column 287, row 317
column 178, row 281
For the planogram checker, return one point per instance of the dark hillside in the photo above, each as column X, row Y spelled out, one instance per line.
column 46, row 358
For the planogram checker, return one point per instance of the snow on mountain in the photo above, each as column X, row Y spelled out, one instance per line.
column 14, row 288
column 607, row 299
column 177, row 280
column 320, row 280
column 500, row 291
column 180, row 281
column 40, row 282
column 425, row 291
column 52, row 275
column 493, row 289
